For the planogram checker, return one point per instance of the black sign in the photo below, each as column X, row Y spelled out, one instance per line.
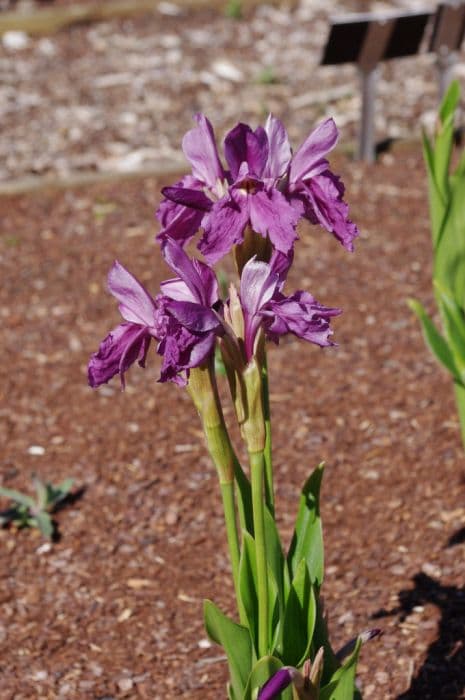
column 367, row 39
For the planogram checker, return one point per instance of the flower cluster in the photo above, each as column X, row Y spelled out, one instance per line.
column 250, row 208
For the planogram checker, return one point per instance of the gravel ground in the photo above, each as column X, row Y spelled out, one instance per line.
column 119, row 95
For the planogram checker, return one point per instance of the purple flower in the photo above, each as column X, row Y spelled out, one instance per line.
column 239, row 197
column 276, row 684
column 183, row 319
column 265, row 306
column 189, row 305
column 265, row 189
column 129, row 341
column 315, row 190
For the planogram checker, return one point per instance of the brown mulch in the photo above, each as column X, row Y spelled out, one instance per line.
column 113, row 609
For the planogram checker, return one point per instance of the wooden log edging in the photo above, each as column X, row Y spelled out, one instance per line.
column 38, row 183
column 51, row 20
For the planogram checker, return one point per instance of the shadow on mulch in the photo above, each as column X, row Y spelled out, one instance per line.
column 442, row 674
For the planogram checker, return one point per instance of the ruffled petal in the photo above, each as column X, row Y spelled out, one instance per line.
column 301, row 315
column 271, row 215
column 324, row 199
column 125, row 344
column 224, row 227
column 182, row 350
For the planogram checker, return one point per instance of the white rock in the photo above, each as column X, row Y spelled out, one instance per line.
column 15, row 40
column 36, row 450
column 169, row 8
column 228, row 71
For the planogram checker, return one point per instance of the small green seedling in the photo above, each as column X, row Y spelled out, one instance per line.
column 29, row 512
column 233, row 9
column 267, row 76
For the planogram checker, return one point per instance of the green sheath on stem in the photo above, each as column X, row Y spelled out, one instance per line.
column 257, row 465
column 203, row 390
column 269, row 486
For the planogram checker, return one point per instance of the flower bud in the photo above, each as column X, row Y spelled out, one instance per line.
column 253, row 427
column 204, row 393
column 253, row 244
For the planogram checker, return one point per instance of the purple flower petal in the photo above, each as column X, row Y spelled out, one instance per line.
column 280, row 263
column 242, row 145
column 280, row 152
column 195, row 199
column 258, row 284
column 276, row 684
column 200, row 150
column 309, row 159
column 224, row 228
column 183, row 350
column 271, row 215
column 196, row 318
column 323, row 195
column 198, row 277
column 127, row 343
column 178, row 222
column 301, row 315
column 136, row 304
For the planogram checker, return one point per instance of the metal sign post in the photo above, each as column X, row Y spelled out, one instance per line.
column 373, row 48
column 446, row 39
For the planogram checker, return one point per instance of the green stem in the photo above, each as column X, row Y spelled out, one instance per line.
column 257, row 468
column 269, row 487
column 229, row 507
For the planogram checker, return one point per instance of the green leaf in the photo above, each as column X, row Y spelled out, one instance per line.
column 244, row 498
column 450, row 101
column 261, row 672
column 342, row 683
column 44, row 522
column 276, row 561
column 19, row 497
column 248, row 586
column 58, row 493
column 42, row 491
column 236, row 643
column 321, row 639
column 299, row 618
column 454, row 325
column 449, row 256
column 437, row 198
column 435, row 341
column 307, row 542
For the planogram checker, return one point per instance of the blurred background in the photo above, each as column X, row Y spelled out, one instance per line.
column 117, row 95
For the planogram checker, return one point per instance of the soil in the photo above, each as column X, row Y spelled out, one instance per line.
column 113, row 609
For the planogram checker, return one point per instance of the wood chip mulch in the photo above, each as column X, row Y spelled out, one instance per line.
column 113, row 609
